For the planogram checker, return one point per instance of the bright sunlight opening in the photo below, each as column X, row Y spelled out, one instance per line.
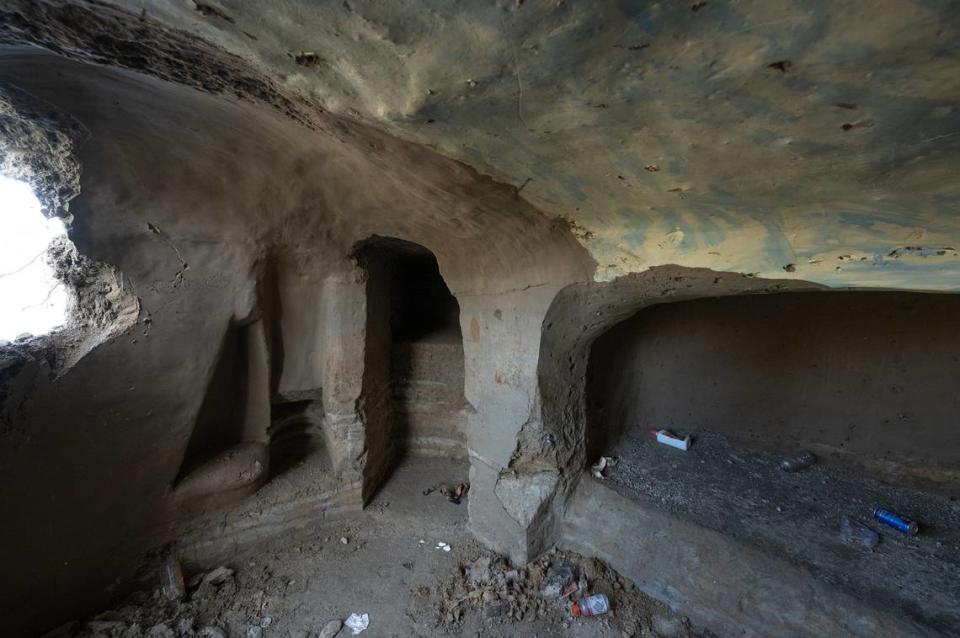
column 32, row 301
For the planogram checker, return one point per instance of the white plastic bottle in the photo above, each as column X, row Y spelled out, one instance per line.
column 591, row 606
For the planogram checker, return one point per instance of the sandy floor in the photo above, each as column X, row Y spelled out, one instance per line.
column 743, row 493
column 391, row 568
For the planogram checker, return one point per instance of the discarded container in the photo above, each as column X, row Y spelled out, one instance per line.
column 454, row 492
column 591, row 606
column 598, row 468
column 174, row 587
column 669, row 438
column 856, row 533
column 797, row 462
column 897, row 522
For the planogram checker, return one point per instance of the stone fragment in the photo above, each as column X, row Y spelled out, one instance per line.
column 558, row 577
column 331, row 629
column 218, row 576
column 160, row 630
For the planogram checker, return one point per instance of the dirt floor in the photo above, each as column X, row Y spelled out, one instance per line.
column 387, row 562
column 743, row 493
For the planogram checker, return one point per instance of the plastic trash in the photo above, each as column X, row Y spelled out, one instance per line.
column 556, row 582
column 357, row 622
column 591, row 606
column 669, row 438
column 173, row 586
column 856, row 533
column 571, row 590
column 897, row 522
column 598, row 468
column 798, row 461
column 456, row 492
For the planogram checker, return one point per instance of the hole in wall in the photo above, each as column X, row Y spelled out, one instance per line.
column 296, row 439
column 219, row 424
column 35, row 301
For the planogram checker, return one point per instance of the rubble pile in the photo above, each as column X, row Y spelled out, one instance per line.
column 213, row 606
column 544, row 590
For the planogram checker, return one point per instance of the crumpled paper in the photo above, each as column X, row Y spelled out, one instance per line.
column 598, row 468
column 358, row 622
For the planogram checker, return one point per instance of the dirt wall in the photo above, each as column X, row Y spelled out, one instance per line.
column 428, row 394
column 384, row 440
column 188, row 194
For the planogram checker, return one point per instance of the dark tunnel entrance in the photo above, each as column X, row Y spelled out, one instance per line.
column 414, row 370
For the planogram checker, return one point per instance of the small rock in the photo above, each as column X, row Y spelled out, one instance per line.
column 185, row 626
column 105, row 627
column 266, row 621
column 496, row 610
column 589, row 570
column 479, row 572
column 331, row 629
column 211, row 632
column 667, row 626
column 344, row 540
column 160, row 631
column 218, row 576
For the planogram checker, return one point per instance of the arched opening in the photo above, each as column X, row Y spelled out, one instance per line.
column 35, row 301
column 413, row 362
column 845, row 373
column 864, row 380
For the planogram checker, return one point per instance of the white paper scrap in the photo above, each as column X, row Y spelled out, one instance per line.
column 358, row 622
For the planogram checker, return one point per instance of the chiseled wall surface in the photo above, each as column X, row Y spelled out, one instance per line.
column 428, row 395
column 88, row 459
column 810, row 141
column 864, row 376
column 742, row 136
